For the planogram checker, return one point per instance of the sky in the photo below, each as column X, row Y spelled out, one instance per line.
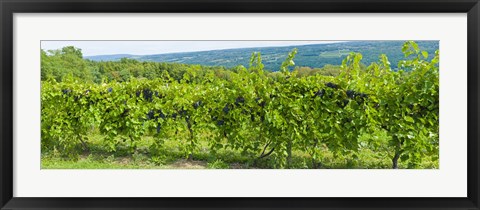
column 90, row 48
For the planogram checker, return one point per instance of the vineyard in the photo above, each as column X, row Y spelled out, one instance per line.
column 270, row 122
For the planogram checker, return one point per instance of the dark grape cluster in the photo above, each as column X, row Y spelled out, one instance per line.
column 351, row 94
column 260, row 102
column 197, row 104
column 147, row 94
column 226, row 109
column 161, row 114
column 157, row 94
column 320, row 93
column 182, row 112
column 332, row 85
column 110, row 89
column 239, row 100
column 343, row 103
column 150, row 115
column 356, row 95
column 362, row 95
column 66, row 91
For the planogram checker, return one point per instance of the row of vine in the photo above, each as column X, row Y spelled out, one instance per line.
column 256, row 114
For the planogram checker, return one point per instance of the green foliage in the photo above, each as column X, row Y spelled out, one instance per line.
column 64, row 63
column 218, row 164
column 262, row 117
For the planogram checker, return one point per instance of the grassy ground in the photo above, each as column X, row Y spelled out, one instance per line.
column 173, row 157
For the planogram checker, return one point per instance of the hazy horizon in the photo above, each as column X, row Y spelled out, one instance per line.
column 96, row 48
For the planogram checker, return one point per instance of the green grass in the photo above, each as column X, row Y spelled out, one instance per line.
column 173, row 156
column 95, row 162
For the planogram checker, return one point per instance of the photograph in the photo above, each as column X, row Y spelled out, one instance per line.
column 239, row 104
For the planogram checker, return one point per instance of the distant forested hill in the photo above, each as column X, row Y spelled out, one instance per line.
column 313, row 56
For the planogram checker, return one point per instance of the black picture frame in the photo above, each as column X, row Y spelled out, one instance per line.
column 9, row 7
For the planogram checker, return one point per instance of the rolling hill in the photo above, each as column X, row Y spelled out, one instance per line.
column 316, row 55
